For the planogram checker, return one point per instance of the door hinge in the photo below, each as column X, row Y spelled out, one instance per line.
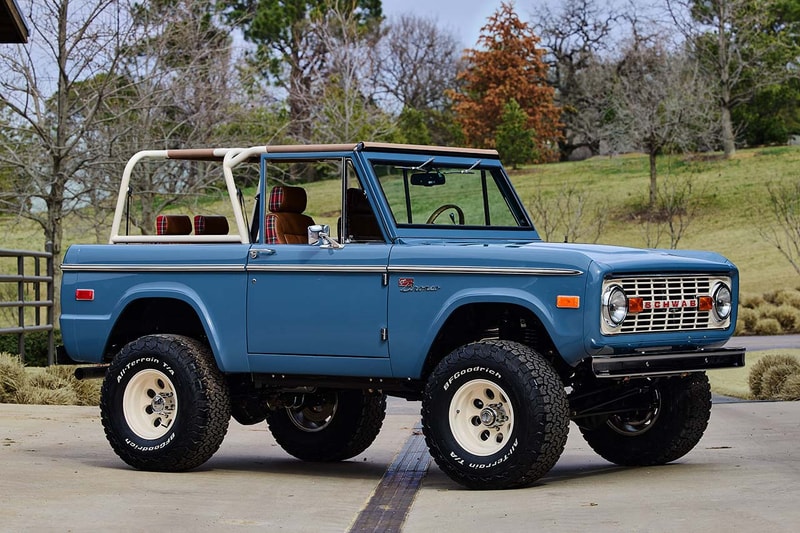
column 384, row 334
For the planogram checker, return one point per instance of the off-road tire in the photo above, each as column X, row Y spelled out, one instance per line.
column 164, row 404
column 495, row 415
column 661, row 435
column 338, row 425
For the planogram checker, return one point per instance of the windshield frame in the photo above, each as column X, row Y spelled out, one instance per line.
column 525, row 231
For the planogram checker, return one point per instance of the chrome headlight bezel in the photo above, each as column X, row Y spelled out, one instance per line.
column 722, row 297
column 615, row 306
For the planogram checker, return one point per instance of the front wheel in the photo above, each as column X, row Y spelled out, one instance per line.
column 164, row 403
column 329, row 425
column 664, row 422
column 495, row 415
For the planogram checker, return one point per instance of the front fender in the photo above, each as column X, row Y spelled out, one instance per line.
column 412, row 336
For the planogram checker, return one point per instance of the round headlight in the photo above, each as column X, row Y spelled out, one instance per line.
column 723, row 301
column 615, row 306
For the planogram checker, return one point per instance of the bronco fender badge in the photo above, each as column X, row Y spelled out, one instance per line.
column 407, row 285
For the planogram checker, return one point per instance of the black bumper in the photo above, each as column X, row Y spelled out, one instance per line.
column 666, row 363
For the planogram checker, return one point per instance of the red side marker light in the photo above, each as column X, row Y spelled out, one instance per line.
column 84, row 295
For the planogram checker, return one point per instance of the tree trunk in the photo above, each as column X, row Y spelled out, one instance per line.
column 728, row 140
column 653, row 178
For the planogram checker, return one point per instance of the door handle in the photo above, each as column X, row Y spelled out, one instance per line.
column 254, row 254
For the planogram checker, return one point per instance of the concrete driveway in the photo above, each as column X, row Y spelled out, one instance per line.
column 57, row 473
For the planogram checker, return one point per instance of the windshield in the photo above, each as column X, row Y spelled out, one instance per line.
column 431, row 194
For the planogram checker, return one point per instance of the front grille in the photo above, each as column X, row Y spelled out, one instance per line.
column 671, row 304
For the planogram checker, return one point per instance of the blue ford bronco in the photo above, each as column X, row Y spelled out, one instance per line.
column 368, row 270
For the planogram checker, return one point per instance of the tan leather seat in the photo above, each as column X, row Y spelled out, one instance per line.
column 285, row 223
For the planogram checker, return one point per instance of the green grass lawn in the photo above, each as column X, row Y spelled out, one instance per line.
column 733, row 382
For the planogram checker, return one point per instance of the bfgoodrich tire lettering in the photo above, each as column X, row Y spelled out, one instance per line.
column 164, row 404
column 495, row 415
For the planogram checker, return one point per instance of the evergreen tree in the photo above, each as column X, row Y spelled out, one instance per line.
column 506, row 65
column 514, row 140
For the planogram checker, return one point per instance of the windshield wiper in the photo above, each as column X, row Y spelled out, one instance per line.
column 419, row 167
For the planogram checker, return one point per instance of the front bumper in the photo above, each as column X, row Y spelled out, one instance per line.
column 666, row 363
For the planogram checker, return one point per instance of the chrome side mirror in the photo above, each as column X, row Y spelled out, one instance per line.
column 319, row 234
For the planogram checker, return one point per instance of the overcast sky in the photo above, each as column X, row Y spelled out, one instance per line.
column 464, row 18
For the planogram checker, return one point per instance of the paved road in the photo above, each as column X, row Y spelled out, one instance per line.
column 57, row 473
column 771, row 342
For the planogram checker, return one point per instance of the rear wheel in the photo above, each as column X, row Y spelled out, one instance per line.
column 668, row 420
column 164, row 403
column 329, row 425
column 495, row 415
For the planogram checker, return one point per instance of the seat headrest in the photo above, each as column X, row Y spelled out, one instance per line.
column 173, row 225
column 357, row 202
column 286, row 199
column 210, row 225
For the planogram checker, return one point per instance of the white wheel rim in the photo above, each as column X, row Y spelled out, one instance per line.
column 481, row 417
column 150, row 404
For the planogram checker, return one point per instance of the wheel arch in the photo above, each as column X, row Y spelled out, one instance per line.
column 506, row 317
column 171, row 310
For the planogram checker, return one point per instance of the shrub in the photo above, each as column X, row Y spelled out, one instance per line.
column 35, row 346
column 38, row 395
column 755, row 378
column 87, row 392
column 746, row 322
column 54, row 385
column 12, row 377
column 790, row 297
column 752, row 301
column 791, row 388
column 773, row 379
column 787, row 316
column 767, row 326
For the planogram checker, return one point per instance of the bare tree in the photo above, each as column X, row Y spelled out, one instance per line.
column 569, row 214
column 416, row 62
column 678, row 203
column 343, row 104
column 53, row 90
column 784, row 232
column 659, row 101
column 742, row 45
column 176, row 70
column 578, row 38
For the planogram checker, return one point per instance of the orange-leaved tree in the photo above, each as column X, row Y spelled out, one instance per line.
column 505, row 66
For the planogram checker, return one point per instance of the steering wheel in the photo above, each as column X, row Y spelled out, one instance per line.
column 442, row 209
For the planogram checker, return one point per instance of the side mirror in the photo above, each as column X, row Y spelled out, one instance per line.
column 315, row 231
column 319, row 234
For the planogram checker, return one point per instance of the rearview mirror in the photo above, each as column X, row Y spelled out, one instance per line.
column 427, row 179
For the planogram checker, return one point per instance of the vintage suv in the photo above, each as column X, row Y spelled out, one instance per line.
column 408, row 271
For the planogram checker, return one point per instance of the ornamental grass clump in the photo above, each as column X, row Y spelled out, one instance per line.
column 54, row 385
column 775, row 377
column 773, row 313
column 12, row 377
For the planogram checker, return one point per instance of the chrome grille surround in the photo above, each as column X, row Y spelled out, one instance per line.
column 673, row 300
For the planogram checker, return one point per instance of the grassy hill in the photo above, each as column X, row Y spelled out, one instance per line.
column 732, row 194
